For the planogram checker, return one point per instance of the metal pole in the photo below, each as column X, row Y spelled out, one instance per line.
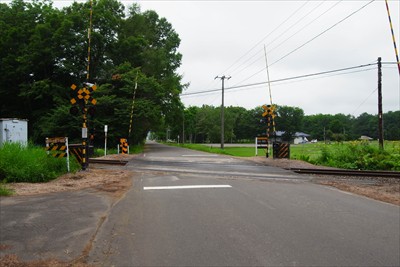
column 105, row 139
column 256, row 147
column 393, row 38
column 85, row 144
column 183, row 128
column 67, row 146
column 222, row 109
column 380, row 113
column 222, row 117
column 84, row 140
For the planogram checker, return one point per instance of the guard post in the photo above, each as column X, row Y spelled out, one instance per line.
column 261, row 142
column 57, row 147
column 281, row 150
column 123, row 144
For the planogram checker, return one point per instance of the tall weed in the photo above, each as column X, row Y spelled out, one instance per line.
column 19, row 163
column 359, row 155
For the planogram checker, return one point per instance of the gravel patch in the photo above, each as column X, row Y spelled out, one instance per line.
column 378, row 188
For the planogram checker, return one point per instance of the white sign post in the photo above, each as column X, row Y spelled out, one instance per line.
column 105, row 139
column 66, row 144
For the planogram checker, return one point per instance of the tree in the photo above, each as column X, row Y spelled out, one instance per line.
column 290, row 120
column 391, row 125
column 190, row 115
column 366, row 124
column 43, row 51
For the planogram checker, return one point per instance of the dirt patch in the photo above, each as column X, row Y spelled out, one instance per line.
column 379, row 188
column 113, row 182
column 13, row 261
column 382, row 189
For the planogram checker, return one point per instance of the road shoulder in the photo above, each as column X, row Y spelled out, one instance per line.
column 54, row 224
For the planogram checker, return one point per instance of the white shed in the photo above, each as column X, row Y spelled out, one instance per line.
column 13, row 130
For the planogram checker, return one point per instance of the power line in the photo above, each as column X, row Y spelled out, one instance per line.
column 280, row 80
column 312, row 39
column 265, row 37
column 279, row 36
column 318, row 35
column 365, row 100
column 305, row 26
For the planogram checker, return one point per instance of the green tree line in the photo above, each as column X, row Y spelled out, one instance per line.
column 203, row 124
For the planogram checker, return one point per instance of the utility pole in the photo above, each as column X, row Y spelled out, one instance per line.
column 380, row 113
column 223, row 77
column 183, row 128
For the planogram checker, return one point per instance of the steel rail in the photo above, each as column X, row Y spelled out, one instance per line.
column 388, row 174
column 108, row 161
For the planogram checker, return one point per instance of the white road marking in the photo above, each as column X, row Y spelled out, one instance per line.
column 195, row 155
column 186, row 187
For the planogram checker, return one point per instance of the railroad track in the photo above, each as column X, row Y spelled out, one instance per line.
column 388, row 174
column 108, row 161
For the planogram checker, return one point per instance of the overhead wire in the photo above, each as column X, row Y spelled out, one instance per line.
column 309, row 41
column 279, row 80
column 305, row 26
column 259, row 42
column 259, row 55
column 323, row 32
column 365, row 100
column 285, row 31
column 280, row 83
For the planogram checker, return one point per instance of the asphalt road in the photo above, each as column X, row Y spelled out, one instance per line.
column 190, row 208
column 50, row 226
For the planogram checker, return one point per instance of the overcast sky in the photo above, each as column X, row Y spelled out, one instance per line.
column 228, row 38
column 301, row 38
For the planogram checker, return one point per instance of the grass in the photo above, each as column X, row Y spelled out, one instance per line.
column 361, row 155
column 231, row 151
column 19, row 163
column 4, row 191
column 99, row 152
column 136, row 149
column 348, row 155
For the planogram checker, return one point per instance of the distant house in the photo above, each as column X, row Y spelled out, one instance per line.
column 365, row 138
column 299, row 137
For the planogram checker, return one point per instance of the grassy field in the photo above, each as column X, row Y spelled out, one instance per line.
column 296, row 151
column 349, row 155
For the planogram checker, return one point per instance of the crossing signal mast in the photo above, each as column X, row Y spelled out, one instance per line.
column 269, row 114
column 83, row 98
column 269, row 110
